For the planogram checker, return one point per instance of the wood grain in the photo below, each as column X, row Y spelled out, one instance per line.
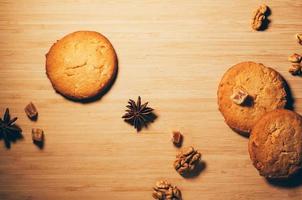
column 173, row 54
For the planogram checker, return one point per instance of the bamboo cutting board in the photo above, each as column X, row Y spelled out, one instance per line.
column 172, row 54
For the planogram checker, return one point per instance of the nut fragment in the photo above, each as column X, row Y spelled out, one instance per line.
column 37, row 135
column 259, row 16
column 163, row 190
column 295, row 58
column 187, row 160
column 299, row 38
column 295, row 69
column 177, row 138
column 239, row 96
column 31, row 111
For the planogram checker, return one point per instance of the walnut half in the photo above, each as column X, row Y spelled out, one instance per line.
column 187, row 160
column 163, row 190
column 295, row 68
column 239, row 96
column 259, row 16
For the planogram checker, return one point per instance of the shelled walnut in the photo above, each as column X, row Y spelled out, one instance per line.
column 187, row 160
column 259, row 17
column 163, row 190
column 239, row 96
column 295, row 68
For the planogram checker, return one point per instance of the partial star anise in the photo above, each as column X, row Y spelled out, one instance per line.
column 8, row 129
column 137, row 114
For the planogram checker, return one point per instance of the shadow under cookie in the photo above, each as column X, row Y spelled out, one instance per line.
column 292, row 182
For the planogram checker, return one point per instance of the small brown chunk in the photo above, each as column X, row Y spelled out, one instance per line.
column 239, row 96
column 259, row 16
column 187, row 160
column 31, row 111
column 299, row 38
column 295, row 58
column 177, row 138
column 163, row 190
column 295, row 69
column 37, row 135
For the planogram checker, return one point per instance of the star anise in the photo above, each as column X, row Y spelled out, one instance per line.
column 137, row 114
column 8, row 129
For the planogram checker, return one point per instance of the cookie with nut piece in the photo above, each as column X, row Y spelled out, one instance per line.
column 261, row 89
column 275, row 144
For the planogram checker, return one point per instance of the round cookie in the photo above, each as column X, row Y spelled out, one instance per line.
column 275, row 144
column 81, row 64
column 265, row 88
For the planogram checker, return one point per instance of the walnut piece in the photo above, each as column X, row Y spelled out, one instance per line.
column 177, row 138
column 295, row 58
column 259, row 16
column 31, row 111
column 239, row 96
column 187, row 160
column 37, row 135
column 299, row 38
column 295, row 69
column 163, row 190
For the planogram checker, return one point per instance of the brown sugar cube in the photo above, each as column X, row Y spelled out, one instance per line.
column 37, row 135
column 177, row 138
column 31, row 111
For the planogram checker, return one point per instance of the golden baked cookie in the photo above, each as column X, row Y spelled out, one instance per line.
column 247, row 91
column 275, row 144
column 81, row 64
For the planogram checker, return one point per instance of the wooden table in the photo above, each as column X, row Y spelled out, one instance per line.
column 172, row 54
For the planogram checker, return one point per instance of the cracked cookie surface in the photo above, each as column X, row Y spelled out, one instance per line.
column 275, row 144
column 265, row 89
column 81, row 65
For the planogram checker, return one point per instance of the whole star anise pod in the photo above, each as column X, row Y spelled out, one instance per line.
column 137, row 114
column 8, row 129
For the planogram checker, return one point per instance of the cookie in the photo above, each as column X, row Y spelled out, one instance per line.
column 81, row 65
column 247, row 91
column 275, row 144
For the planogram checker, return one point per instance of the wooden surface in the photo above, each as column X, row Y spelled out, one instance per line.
column 173, row 54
